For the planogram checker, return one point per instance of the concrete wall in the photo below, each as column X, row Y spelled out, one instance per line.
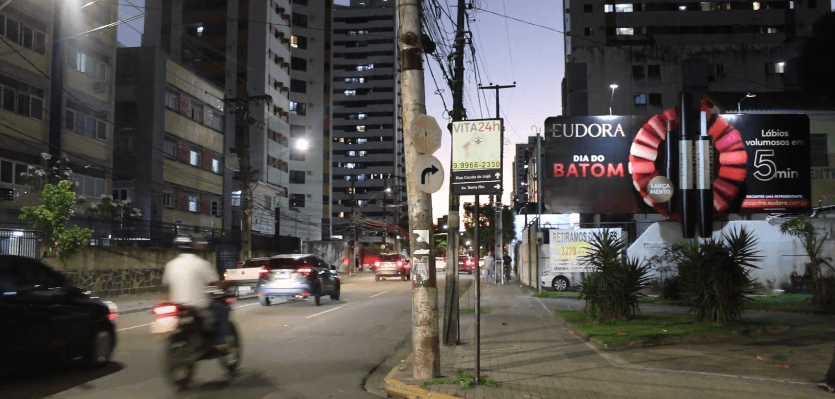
column 333, row 252
column 115, row 271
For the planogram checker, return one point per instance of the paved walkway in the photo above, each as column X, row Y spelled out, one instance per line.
column 531, row 355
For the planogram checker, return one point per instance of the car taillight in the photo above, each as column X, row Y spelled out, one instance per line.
column 230, row 300
column 240, row 264
column 377, row 264
column 306, row 271
column 166, row 310
column 113, row 311
column 399, row 263
column 264, row 271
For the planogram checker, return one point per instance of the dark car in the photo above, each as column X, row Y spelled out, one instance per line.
column 43, row 316
column 466, row 264
column 297, row 276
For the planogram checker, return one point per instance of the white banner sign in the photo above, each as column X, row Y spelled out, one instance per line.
column 568, row 247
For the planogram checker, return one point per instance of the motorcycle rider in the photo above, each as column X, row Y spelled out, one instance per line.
column 187, row 276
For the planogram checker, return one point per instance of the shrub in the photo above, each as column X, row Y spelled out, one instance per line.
column 614, row 289
column 822, row 292
column 717, row 275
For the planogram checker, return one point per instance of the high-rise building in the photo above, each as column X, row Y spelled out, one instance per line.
column 367, row 128
column 82, row 123
column 746, row 46
column 310, row 109
column 521, row 161
column 245, row 47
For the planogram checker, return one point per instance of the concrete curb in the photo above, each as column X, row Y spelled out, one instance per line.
column 777, row 329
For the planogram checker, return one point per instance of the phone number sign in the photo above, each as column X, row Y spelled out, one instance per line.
column 569, row 247
column 477, row 157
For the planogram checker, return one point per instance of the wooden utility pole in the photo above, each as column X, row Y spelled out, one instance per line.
column 426, row 345
column 451, row 308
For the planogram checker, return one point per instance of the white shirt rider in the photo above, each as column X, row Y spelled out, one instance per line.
column 187, row 277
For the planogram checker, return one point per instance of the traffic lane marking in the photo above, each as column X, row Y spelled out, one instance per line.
column 330, row 310
column 148, row 324
column 380, row 293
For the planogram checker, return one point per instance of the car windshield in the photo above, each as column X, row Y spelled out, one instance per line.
column 257, row 262
column 389, row 258
column 289, row 263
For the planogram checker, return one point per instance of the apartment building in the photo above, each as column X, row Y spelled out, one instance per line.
column 367, row 127
column 748, row 46
column 310, row 115
column 168, row 146
column 245, row 47
column 521, row 160
column 82, row 123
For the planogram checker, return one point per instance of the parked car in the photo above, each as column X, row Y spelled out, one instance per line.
column 297, row 276
column 44, row 317
column 392, row 265
column 246, row 275
column 466, row 264
column 554, row 280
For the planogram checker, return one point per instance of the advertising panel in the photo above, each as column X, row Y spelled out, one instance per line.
column 568, row 247
column 637, row 164
column 477, row 157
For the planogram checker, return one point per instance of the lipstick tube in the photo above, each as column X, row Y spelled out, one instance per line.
column 687, row 127
column 704, row 178
column 671, row 166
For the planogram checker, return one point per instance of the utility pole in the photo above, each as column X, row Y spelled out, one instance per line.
column 247, row 174
column 497, row 205
column 56, row 86
column 451, row 334
column 427, row 359
column 353, row 261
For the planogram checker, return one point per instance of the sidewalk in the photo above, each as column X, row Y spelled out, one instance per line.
column 143, row 303
column 530, row 354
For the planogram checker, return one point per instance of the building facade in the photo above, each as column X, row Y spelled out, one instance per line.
column 82, row 123
column 747, row 46
column 367, row 128
column 521, row 161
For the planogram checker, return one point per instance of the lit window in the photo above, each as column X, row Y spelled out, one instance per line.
column 360, row 128
column 351, row 153
column 362, row 116
column 682, row 8
column 640, row 99
column 623, row 7
column 350, row 165
column 216, row 165
column 791, row 5
column 362, row 140
column 236, row 198
column 608, row 8
column 757, row 5
column 626, row 31
column 199, row 31
column 192, row 203
column 362, row 153
column 350, row 92
column 194, row 158
column 780, row 67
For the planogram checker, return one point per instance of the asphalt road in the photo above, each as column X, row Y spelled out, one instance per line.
column 291, row 350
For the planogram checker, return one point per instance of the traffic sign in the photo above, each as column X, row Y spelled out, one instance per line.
column 426, row 134
column 477, row 157
column 428, row 174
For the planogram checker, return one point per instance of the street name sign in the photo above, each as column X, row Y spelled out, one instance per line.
column 426, row 134
column 477, row 157
column 428, row 173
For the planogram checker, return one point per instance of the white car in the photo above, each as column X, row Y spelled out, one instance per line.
column 558, row 280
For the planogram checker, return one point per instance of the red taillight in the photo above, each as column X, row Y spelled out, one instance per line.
column 230, row 300
column 399, row 263
column 240, row 264
column 264, row 271
column 113, row 311
column 166, row 310
column 306, row 271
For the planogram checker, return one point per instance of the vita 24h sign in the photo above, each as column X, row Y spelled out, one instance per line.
column 477, row 157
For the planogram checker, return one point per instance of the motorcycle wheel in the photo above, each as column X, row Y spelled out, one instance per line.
column 178, row 367
column 231, row 361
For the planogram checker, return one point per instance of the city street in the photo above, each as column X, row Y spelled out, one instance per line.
column 290, row 350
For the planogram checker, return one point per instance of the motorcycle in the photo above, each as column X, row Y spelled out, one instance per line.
column 189, row 340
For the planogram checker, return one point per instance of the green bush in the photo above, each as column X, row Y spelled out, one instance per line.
column 614, row 289
column 716, row 275
column 823, row 288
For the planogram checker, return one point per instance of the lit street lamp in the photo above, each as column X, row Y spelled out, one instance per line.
column 613, row 86
column 739, row 104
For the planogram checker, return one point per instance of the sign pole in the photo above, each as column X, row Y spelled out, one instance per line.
column 477, row 295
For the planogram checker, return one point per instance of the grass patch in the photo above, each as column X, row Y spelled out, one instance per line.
column 556, row 294
column 800, row 303
column 472, row 311
column 464, row 379
column 643, row 327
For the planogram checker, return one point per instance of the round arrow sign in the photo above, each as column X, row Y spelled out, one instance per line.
column 428, row 174
column 426, row 134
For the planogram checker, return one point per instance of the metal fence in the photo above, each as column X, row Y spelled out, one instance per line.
column 20, row 242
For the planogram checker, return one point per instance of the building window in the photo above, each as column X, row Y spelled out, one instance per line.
column 22, row 35
column 623, row 7
column 171, row 101
column 638, row 71
column 297, row 176
column 86, row 125
column 625, row 31
column 170, row 149
column 297, row 200
column 654, row 71
column 299, row 20
column 297, row 155
column 21, row 98
column 87, row 64
column 360, row 128
column 11, row 172
column 608, row 8
column 298, row 108
column 236, row 198
column 655, row 99
column 775, row 68
column 216, row 207
column 168, row 199
column 298, row 86
column 362, row 116
column 350, row 153
column 194, row 158
column 193, row 205
column 589, row 31
column 298, row 64
column 120, row 194
column 88, row 186
column 819, row 156
column 639, row 99
column 299, row 42
column 350, row 92
column 195, row 111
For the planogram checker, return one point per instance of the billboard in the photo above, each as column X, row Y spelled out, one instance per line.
column 635, row 164
column 568, row 247
column 477, row 157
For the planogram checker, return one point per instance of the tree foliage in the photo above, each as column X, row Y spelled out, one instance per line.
column 51, row 217
column 487, row 225
column 821, row 286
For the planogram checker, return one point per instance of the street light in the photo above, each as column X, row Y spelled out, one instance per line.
column 302, row 144
column 739, row 104
column 613, row 86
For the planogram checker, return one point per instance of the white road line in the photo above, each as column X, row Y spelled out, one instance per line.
column 317, row 314
column 141, row 325
column 243, row 306
column 372, row 296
